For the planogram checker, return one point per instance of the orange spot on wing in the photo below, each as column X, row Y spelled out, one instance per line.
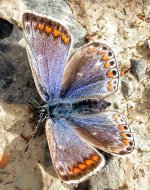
column 89, row 162
column 82, row 166
column 121, row 127
column 116, row 117
column 110, row 74
column 41, row 26
column 65, row 38
column 70, row 172
column 110, row 86
column 105, row 57
column 76, row 170
column 123, row 135
column 100, row 52
column 107, row 65
column 56, row 33
column 123, row 146
column 48, row 29
column 95, row 158
column 91, row 49
column 125, row 141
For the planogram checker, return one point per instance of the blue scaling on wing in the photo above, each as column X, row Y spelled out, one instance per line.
column 77, row 121
column 91, row 72
column 73, row 159
column 48, row 44
column 106, row 130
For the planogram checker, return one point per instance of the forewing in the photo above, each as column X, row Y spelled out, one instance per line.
column 91, row 72
column 106, row 130
column 73, row 159
column 48, row 44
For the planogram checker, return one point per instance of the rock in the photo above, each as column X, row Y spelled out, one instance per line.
column 124, row 89
column 29, row 181
column 138, row 69
column 5, row 28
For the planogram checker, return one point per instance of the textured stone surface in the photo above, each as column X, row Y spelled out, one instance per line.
column 124, row 26
column 28, row 181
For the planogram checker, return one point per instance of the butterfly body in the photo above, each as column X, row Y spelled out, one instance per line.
column 65, row 108
column 59, row 109
column 74, row 92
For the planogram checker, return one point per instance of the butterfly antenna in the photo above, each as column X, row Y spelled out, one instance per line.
column 24, row 91
column 37, row 105
column 35, row 131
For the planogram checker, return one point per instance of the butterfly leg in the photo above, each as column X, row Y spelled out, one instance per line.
column 36, row 130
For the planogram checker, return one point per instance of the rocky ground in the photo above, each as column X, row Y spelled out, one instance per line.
column 125, row 27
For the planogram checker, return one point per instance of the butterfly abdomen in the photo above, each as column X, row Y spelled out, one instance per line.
column 84, row 107
column 90, row 106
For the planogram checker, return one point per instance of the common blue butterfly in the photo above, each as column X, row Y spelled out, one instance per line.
column 75, row 94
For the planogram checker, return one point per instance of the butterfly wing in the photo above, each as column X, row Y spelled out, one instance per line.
column 73, row 159
column 48, row 44
column 91, row 72
column 106, row 130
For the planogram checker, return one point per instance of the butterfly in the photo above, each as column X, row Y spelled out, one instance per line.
column 74, row 92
